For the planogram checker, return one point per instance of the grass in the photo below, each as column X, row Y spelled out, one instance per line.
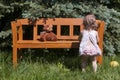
column 44, row 70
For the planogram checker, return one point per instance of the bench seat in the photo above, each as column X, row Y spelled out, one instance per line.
column 47, row 44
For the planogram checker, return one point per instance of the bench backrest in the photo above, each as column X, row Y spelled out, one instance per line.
column 72, row 26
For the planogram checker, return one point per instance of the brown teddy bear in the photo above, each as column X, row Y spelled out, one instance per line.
column 47, row 34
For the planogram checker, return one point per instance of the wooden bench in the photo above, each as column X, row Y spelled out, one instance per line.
column 72, row 26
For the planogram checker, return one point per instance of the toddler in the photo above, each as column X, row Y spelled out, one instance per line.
column 88, row 46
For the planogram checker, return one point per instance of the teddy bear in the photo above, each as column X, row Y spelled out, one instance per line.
column 47, row 34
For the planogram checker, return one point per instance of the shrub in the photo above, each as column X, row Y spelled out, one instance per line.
column 110, row 16
column 60, row 8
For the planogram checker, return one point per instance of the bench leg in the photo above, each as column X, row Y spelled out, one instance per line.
column 99, row 59
column 14, row 57
column 20, row 54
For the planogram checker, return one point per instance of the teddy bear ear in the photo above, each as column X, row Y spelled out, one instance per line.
column 50, row 25
column 45, row 27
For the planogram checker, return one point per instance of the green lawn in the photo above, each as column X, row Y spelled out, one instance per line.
column 43, row 70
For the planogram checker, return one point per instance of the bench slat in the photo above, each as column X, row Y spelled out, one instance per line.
column 54, row 21
column 47, row 44
column 65, row 37
column 35, row 32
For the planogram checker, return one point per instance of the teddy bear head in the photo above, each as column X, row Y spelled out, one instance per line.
column 48, row 27
column 47, row 34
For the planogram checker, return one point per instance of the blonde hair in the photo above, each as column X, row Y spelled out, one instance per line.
column 89, row 22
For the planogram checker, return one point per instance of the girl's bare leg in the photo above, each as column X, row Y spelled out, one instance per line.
column 83, row 62
column 94, row 63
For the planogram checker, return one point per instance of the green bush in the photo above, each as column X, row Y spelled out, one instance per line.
column 110, row 16
column 103, row 9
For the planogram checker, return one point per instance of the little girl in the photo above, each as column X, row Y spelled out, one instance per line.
column 88, row 46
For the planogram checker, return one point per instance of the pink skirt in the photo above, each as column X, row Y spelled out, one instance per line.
column 90, row 50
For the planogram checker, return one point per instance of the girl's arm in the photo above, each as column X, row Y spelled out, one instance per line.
column 80, row 36
column 97, row 37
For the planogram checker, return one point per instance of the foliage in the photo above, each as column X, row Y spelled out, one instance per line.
column 110, row 16
column 9, row 10
column 4, row 9
column 103, row 9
